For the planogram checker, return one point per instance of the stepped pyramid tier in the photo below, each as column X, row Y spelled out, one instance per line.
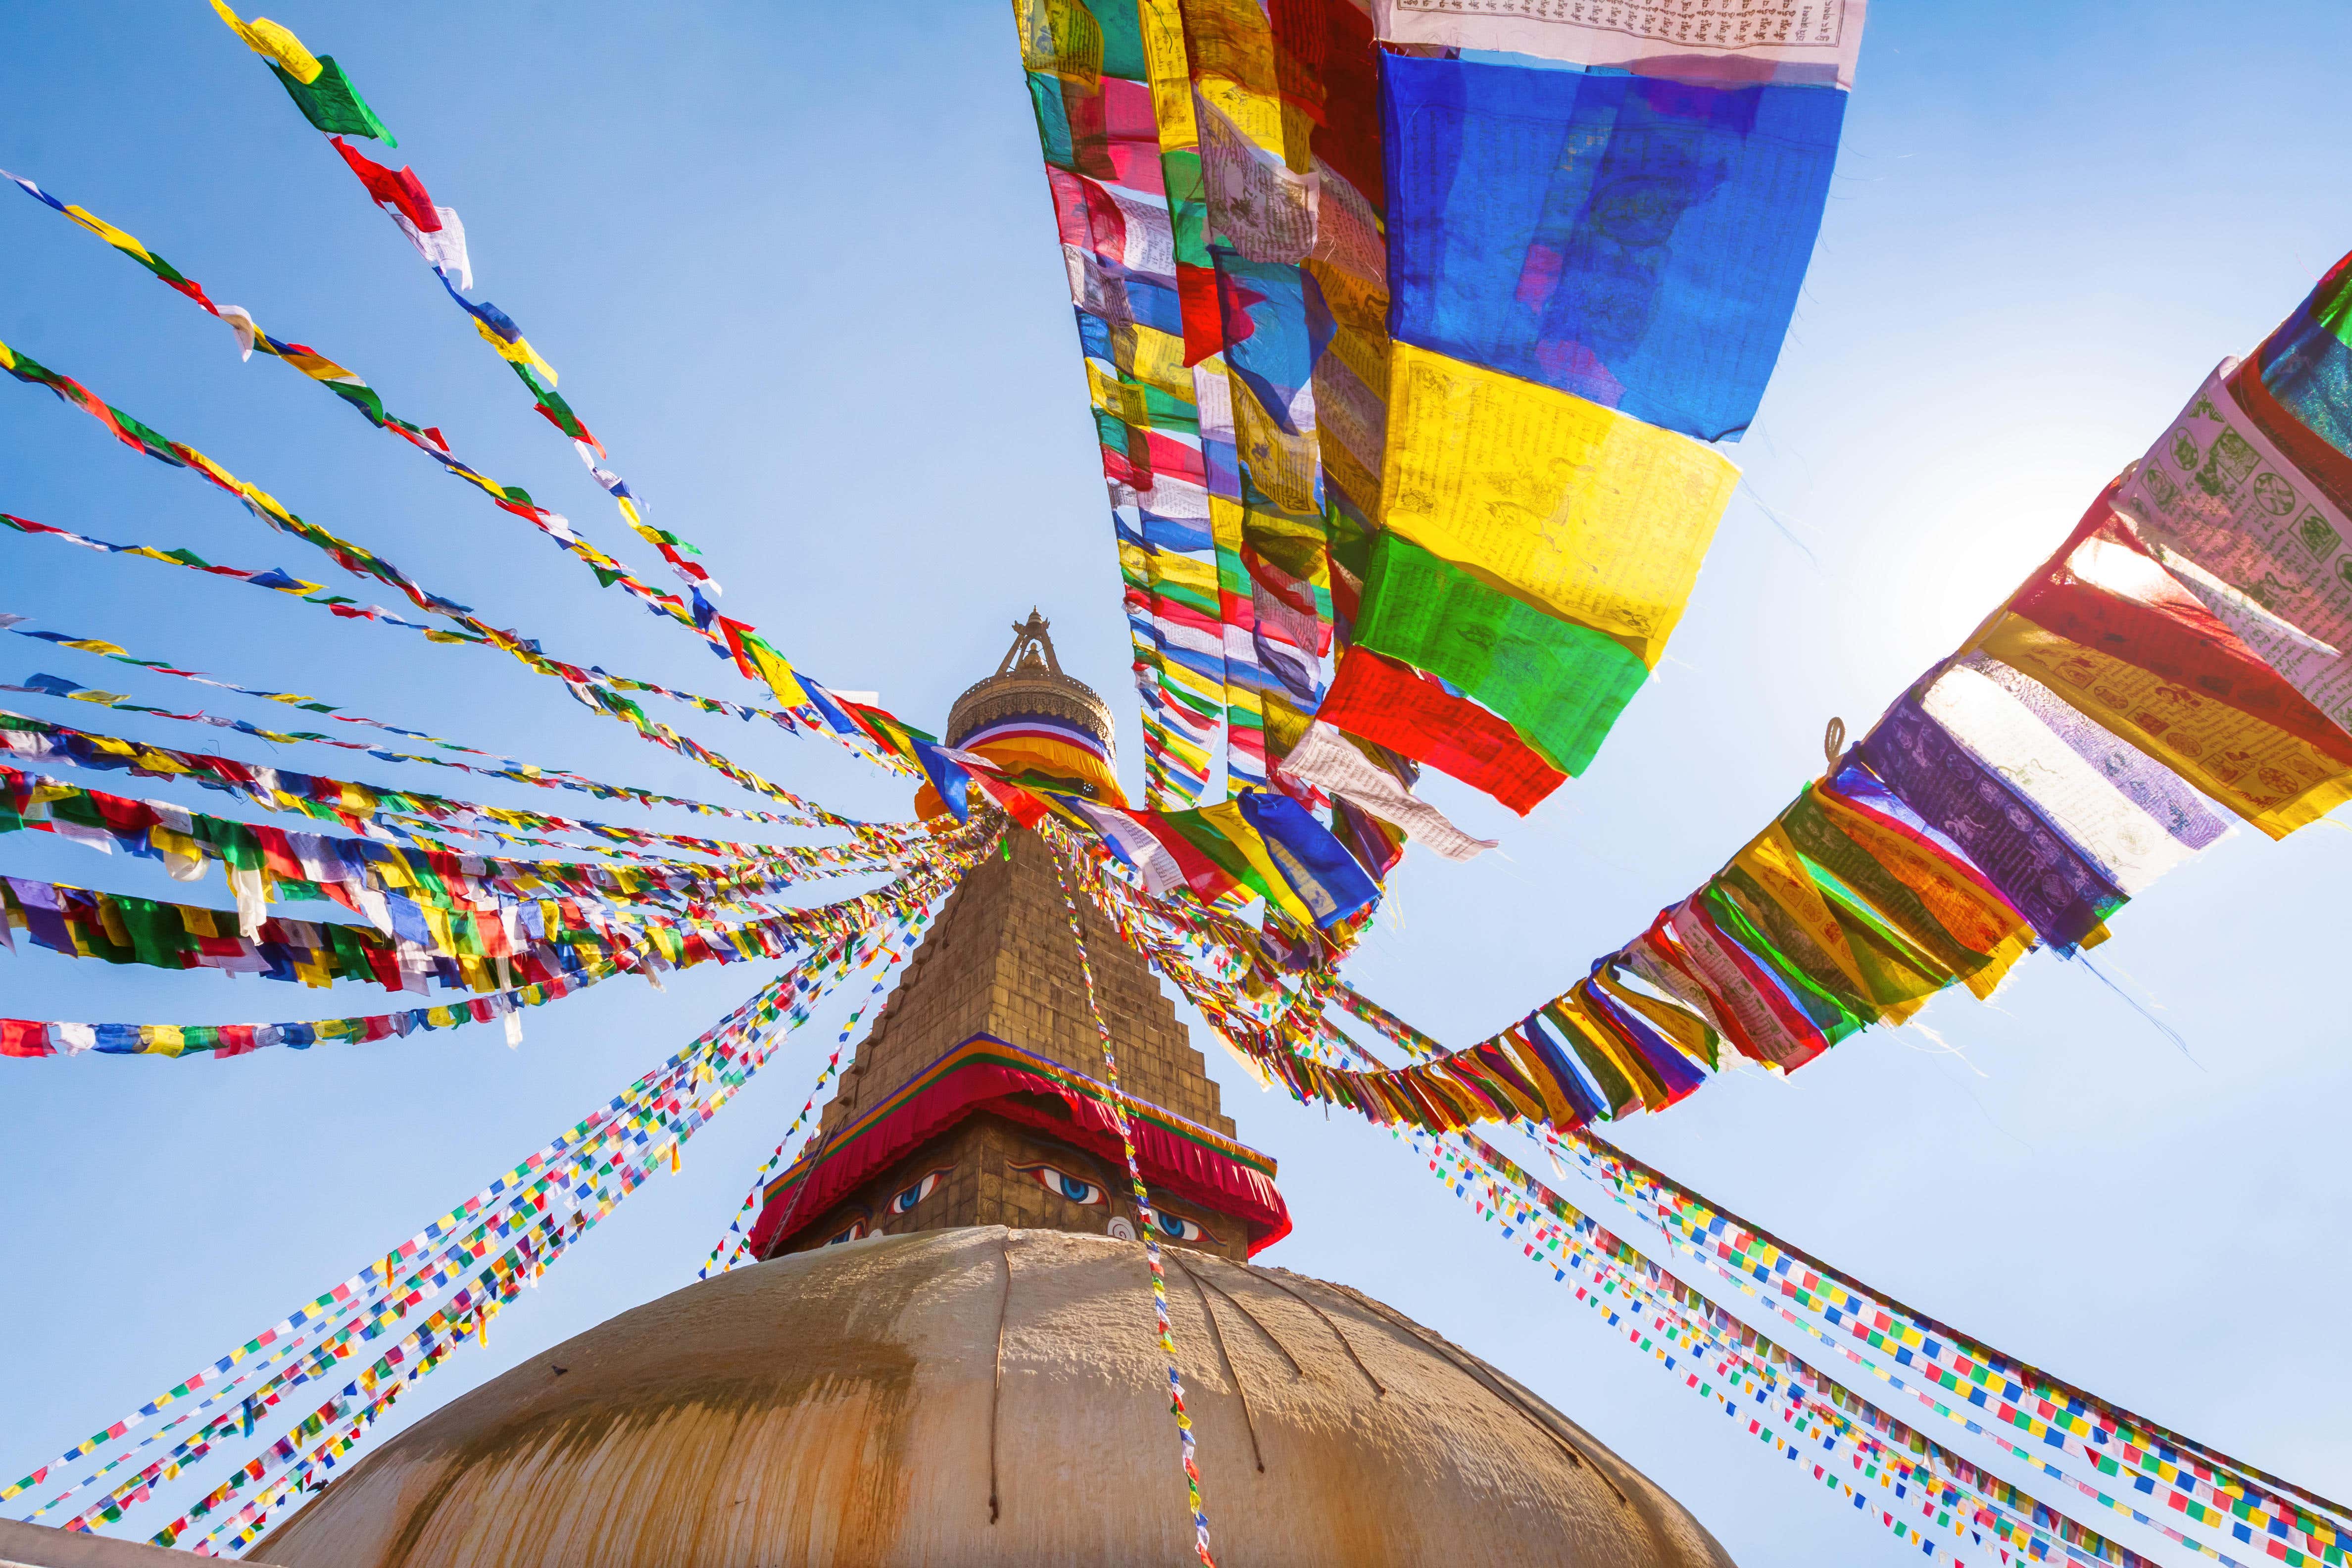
column 978, row 1097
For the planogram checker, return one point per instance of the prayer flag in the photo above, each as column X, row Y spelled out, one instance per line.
column 1389, row 704
column 1637, row 240
column 1317, row 866
column 1559, row 684
column 1326, row 759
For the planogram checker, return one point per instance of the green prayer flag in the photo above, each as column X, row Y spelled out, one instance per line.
column 332, row 104
column 1559, row 684
column 1827, row 1012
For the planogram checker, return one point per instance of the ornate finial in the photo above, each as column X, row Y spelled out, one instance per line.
column 1031, row 646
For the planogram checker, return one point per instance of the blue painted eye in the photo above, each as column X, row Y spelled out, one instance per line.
column 1178, row 1226
column 912, row 1195
column 1076, row 1189
column 855, row 1231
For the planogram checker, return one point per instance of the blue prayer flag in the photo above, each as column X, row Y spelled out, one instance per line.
column 1635, row 240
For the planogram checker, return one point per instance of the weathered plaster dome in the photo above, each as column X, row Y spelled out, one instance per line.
column 852, row 1405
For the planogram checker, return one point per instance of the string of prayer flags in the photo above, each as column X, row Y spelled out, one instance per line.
column 353, row 390
column 350, row 804
column 1146, row 1220
column 570, row 1168
column 1977, row 1386
column 348, row 870
column 29, row 1039
column 34, row 1037
column 1790, row 1405
column 274, row 578
column 327, row 100
column 735, row 1245
column 506, row 767
column 541, row 1206
column 439, row 237
column 1984, row 1391
column 706, row 1079
column 2180, row 644
column 21, row 735
column 42, row 684
column 1110, row 88
column 465, row 931
column 596, row 694
column 282, row 582
column 723, row 636
column 1259, row 419
column 463, row 950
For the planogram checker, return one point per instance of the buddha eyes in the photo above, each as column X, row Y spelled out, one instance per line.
column 1178, row 1227
column 857, row 1231
column 906, row 1200
column 1055, row 1180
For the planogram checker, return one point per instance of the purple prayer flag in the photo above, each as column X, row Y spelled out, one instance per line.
column 2054, row 885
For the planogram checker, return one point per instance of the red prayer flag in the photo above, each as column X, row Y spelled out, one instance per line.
column 401, row 189
column 1396, row 706
column 2105, row 591
column 1016, row 802
column 1208, row 880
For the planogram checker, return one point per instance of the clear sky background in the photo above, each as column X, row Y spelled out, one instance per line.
column 797, row 267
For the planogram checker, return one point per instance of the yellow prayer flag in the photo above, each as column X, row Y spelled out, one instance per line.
column 272, row 42
column 1060, row 37
column 1978, row 918
column 518, row 352
column 1232, row 49
column 1282, row 465
column 777, row 671
column 1178, row 674
column 1774, row 862
column 1162, row 25
column 109, row 233
column 1580, row 511
column 262, row 500
column 1184, row 749
column 1152, row 357
column 1123, row 401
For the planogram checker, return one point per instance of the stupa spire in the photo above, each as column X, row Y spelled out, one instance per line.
column 977, row 1096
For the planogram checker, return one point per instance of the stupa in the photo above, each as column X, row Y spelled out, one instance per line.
column 947, row 1355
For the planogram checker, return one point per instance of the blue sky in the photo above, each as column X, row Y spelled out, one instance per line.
column 797, row 267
